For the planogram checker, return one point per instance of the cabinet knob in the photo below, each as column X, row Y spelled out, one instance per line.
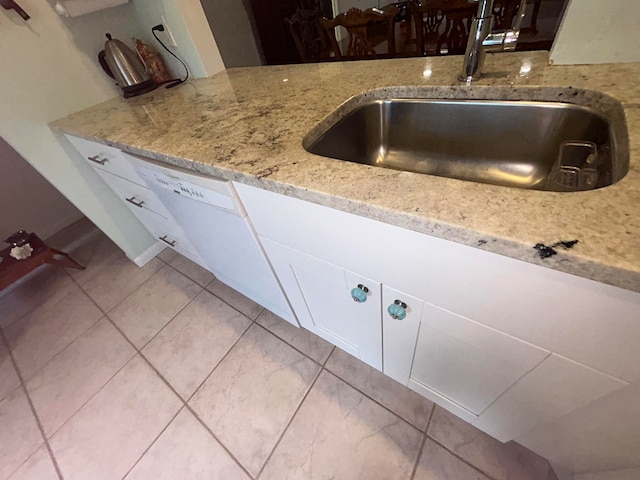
column 397, row 310
column 359, row 294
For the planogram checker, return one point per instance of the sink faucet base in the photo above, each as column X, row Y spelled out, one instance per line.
column 483, row 40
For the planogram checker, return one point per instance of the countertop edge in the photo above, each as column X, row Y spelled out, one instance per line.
column 562, row 260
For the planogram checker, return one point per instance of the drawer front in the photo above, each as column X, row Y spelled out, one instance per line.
column 104, row 158
column 137, row 197
column 166, row 231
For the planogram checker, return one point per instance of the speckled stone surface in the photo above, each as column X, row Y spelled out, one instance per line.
column 248, row 125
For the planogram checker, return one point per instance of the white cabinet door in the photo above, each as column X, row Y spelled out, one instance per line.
column 320, row 294
column 458, row 363
column 554, row 388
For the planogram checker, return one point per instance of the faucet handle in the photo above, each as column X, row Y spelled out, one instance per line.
column 506, row 40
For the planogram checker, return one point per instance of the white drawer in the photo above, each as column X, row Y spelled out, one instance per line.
column 104, row 158
column 167, row 231
column 137, row 197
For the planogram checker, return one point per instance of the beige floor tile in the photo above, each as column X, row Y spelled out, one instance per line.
column 116, row 279
column 167, row 255
column 396, row 397
column 192, row 270
column 308, row 343
column 40, row 335
column 19, row 434
column 339, row 433
column 110, row 432
column 95, row 252
column 234, row 298
column 185, row 451
column 38, row 467
column 72, row 236
column 46, row 285
column 154, row 304
column 251, row 396
column 436, row 463
column 500, row 461
column 189, row 348
column 8, row 377
column 73, row 377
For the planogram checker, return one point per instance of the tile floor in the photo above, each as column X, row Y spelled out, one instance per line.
column 166, row 373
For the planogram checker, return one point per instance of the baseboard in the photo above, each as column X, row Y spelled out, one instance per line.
column 148, row 255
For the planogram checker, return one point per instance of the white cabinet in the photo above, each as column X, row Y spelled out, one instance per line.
column 321, row 295
column 557, row 387
column 117, row 171
column 481, row 334
column 457, row 363
column 215, row 224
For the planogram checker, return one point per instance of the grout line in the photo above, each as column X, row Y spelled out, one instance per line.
column 324, row 364
column 153, row 442
column 165, row 381
column 166, row 324
column 463, row 460
column 20, row 282
column 419, row 456
column 293, row 346
column 138, row 351
column 33, row 412
column 94, row 393
column 377, row 402
column 232, row 306
column 206, row 427
column 424, row 441
column 286, row 428
column 219, row 362
column 41, row 367
column 433, row 410
column 184, row 274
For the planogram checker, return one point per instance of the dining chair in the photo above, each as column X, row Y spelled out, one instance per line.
column 310, row 38
column 366, row 30
column 442, row 26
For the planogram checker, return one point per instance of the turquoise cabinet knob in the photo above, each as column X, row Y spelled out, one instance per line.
column 397, row 310
column 359, row 294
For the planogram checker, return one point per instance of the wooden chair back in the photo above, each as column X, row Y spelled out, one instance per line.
column 365, row 30
column 309, row 37
column 442, row 26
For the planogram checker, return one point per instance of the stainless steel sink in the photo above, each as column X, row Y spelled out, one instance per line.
column 538, row 145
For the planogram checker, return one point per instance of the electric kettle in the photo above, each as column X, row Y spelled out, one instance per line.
column 125, row 67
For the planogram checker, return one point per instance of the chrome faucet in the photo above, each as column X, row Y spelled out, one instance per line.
column 483, row 40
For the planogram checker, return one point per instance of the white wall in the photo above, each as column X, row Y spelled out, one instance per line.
column 50, row 70
column 188, row 24
column 598, row 31
column 28, row 201
column 234, row 33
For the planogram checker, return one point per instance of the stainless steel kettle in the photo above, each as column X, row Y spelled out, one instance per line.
column 125, row 67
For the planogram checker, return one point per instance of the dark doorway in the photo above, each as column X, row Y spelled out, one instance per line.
column 277, row 44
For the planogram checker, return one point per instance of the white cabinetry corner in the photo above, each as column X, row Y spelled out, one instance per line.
column 117, row 171
column 470, row 331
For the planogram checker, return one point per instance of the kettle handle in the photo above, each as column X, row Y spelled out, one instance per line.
column 103, row 64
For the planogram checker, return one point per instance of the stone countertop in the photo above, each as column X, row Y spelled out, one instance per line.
column 248, row 124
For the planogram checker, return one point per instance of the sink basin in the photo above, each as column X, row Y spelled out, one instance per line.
column 539, row 145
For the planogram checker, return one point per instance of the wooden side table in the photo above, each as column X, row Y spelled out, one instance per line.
column 12, row 270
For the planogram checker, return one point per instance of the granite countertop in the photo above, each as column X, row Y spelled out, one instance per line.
column 248, row 124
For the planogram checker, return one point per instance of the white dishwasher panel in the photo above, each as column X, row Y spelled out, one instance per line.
column 214, row 222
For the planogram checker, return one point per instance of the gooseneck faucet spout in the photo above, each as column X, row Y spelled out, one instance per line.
column 483, row 40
